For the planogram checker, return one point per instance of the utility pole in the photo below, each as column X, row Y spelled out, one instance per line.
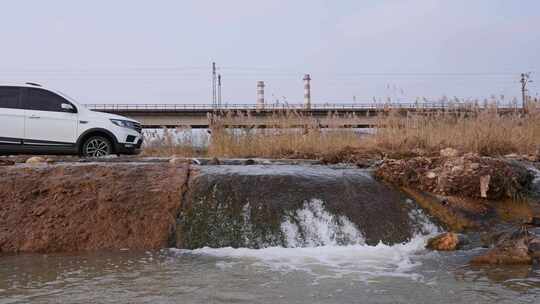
column 219, row 90
column 214, row 95
column 524, row 92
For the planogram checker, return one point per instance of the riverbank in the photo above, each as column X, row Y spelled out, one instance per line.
column 85, row 207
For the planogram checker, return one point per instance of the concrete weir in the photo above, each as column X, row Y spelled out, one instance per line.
column 257, row 206
column 69, row 207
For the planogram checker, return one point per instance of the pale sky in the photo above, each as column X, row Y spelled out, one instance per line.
column 128, row 51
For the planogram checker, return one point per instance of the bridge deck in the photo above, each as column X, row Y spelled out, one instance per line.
column 198, row 115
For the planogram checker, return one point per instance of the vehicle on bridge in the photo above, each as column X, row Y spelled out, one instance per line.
column 36, row 120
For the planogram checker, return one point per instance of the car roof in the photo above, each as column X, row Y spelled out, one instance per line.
column 23, row 85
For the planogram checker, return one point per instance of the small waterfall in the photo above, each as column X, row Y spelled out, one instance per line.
column 314, row 226
column 327, row 246
column 294, row 206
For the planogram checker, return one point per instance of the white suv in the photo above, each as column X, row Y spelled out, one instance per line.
column 36, row 120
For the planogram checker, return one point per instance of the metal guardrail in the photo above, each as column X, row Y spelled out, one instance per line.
column 319, row 106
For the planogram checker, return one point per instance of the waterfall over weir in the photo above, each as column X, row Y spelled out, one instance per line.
column 293, row 206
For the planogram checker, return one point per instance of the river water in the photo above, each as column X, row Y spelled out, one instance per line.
column 319, row 269
column 351, row 274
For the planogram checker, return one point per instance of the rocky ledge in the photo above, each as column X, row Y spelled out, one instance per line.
column 53, row 208
column 469, row 175
column 513, row 247
column 471, row 193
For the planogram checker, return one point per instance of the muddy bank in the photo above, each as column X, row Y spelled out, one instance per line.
column 516, row 246
column 497, row 197
column 466, row 176
column 52, row 208
column 466, row 192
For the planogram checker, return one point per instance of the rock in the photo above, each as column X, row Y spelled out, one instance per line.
column 178, row 161
column 484, row 185
column 449, row 152
column 431, row 175
column 504, row 256
column 532, row 158
column 363, row 164
column 457, row 169
column 50, row 161
column 535, row 222
column 6, row 162
column 517, row 247
column 419, row 152
column 445, row 242
column 249, row 162
column 214, row 161
column 35, row 160
column 534, row 249
column 512, row 156
column 474, row 166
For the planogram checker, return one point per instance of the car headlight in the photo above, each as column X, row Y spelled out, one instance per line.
column 125, row 123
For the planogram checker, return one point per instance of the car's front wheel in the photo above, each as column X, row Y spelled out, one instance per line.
column 97, row 146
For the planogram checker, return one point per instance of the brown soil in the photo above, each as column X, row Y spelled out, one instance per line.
column 466, row 176
column 52, row 208
column 454, row 189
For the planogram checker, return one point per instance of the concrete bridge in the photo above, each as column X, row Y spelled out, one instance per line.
column 202, row 116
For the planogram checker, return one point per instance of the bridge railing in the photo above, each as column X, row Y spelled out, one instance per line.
column 270, row 107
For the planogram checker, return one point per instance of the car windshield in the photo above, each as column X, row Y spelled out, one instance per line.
column 66, row 96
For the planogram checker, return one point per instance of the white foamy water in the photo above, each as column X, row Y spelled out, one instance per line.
column 313, row 236
column 536, row 173
column 313, row 226
column 362, row 261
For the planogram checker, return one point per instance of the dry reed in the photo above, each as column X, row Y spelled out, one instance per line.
column 485, row 131
column 168, row 142
column 467, row 127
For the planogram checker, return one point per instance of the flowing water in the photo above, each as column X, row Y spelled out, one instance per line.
column 324, row 258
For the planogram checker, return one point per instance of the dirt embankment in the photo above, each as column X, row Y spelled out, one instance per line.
column 473, row 193
column 470, row 176
column 51, row 208
column 466, row 192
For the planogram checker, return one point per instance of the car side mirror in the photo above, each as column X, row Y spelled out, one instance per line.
column 68, row 108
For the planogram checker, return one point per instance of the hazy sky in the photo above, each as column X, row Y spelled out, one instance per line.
column 128, row 51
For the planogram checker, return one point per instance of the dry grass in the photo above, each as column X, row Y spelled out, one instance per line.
column 478, row 130
column 168, row 142
column 289, row 135
column 470, row 128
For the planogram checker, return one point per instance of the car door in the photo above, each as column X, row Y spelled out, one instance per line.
column 11, row 116
column 49, row 121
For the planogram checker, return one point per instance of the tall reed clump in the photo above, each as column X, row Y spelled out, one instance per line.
column 482, row 130
column 168, row 142
column 289, row 134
